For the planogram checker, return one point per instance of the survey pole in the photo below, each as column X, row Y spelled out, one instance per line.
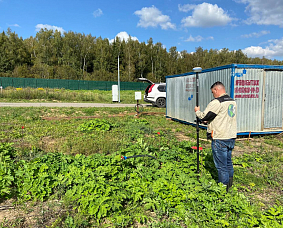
column 197, row 70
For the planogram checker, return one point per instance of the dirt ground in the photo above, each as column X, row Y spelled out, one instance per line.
column 39, row 214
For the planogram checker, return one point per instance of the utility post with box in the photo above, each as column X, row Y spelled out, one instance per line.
column 138, row 96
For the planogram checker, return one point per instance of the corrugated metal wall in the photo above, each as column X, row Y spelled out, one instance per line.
column 273, row 99
column 181, row 92
column 257, row 90
column 248, row 91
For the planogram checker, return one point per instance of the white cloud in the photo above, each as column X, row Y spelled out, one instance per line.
column 198, row 38
column 97, row 13
column 264, row 12
column 205, row 15
column 153, row 17
column 194, row 39
column 186, row 7
column 255, row 34
column 15, row 25
column 48, row 27
column 124, row 36
column 257, row 51
column 272, row 50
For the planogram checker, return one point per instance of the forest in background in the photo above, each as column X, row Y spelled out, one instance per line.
column 76, row 56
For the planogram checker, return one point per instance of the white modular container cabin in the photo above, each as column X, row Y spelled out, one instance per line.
column 257, row 89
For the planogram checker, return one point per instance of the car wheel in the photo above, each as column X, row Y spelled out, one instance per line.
column 161, row 102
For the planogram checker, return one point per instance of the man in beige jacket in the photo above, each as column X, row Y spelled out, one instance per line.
column 220, row 115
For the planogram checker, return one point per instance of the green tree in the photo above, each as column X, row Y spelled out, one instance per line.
column 13, row 51
column 129, row 60
column 71, row 55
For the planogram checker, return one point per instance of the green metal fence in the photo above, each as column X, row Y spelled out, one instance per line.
column 68, row 84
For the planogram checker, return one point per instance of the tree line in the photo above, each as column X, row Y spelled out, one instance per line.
column 53, row 55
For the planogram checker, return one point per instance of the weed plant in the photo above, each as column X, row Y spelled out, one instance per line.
column 274, row 140
column 77, row 162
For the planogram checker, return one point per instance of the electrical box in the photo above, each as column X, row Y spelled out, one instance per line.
column 138, row 96
column 115, row 97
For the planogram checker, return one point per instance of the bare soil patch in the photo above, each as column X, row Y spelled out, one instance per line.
column 40, row 214
column 100, row 116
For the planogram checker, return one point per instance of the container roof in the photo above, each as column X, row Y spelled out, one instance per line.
column 234, row 65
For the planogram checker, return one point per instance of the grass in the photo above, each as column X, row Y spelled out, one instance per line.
column 63, row 135
column 258, row 162
column 274, row 140
column 10, row 94
column 259, row 169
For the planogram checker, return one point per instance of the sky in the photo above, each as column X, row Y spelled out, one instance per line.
column 254, row 26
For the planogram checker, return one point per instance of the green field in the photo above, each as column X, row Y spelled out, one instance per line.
column 62, row 167
column 11, row 94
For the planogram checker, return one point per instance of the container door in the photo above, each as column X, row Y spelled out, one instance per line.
column 273, row 99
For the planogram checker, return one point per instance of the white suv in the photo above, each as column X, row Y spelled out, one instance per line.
column 155, row 93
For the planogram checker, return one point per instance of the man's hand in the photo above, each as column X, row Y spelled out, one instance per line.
column 197, row 108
